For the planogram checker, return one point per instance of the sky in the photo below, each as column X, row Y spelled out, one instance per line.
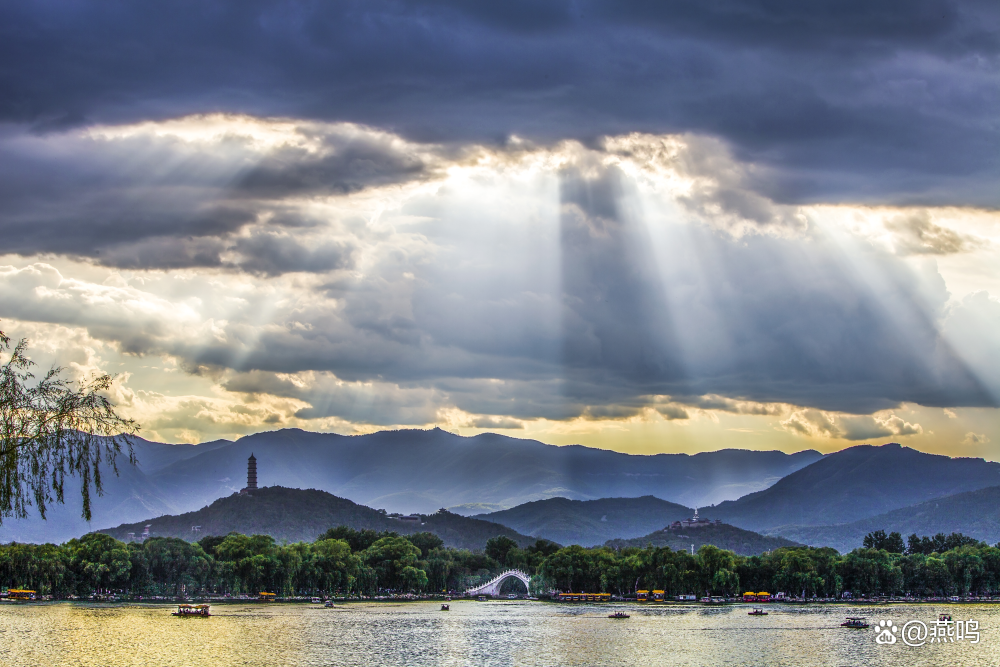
column 642, row 226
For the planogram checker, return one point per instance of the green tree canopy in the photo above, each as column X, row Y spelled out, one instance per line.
column 358, row 539
column 389, row 558
column 498, row 547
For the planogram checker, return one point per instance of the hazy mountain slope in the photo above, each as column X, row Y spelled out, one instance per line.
column 130, row 496
column 153, row 456
column 416, row 470
column 407, row 471
column 590, row 522
column 724, row 536
column 975, row 513
column 857, row 483
column 302, row 515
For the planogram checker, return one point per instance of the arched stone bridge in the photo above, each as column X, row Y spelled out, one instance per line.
column 492, row 587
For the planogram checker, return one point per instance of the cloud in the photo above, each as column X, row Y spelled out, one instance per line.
column 202, row 191
column 971, row 328
column 975, row 439
column 524, row 282
column 819, row 423
column 915, row 234
column 496, row 423
column 341, row 165
column 672, row 412
column 861, row 102
column 275, row 253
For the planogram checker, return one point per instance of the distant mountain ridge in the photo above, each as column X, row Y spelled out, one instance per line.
column 303, row 514
column 857, row 483
column 974, row 513
column 724, row 536
column 415, row 470
column 590, row 522
column 406, row 471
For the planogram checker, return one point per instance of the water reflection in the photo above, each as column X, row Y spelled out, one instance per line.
column 473, row 633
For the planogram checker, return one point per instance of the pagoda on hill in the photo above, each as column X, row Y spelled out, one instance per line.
column 251, row 476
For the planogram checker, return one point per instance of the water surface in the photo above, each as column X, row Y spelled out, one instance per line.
column 476, row 633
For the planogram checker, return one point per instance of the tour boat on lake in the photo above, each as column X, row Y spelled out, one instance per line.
column 757, row 611
column 618, row 614
column 857, row 622
column 185, row 610
column 445, row 607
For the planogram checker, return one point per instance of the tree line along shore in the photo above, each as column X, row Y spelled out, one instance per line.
column 345, row 562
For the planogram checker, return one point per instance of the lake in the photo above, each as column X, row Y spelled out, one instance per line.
column 478, row 633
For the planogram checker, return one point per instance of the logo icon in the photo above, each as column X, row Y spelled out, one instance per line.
column 885, row 632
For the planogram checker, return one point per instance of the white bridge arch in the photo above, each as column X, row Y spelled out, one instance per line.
column 492, row 587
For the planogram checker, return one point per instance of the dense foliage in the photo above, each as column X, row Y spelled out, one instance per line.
column 348, row 561
column 51, row 428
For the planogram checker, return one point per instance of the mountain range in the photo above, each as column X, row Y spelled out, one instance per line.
column 856, row 483
column 975, row 513
column 834, row 502
column 590, row 522
column 303, row 514
column 405, row 471
column 568, row 494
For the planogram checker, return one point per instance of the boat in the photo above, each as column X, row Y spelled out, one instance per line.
column 328, row 603
column 757, row 611
column 21, row 594
column 445, row 607
column 447, row 598
column 186, row 610
column 857, row 622
column 944, row 617
column 618, row 614
column 481, row 598
column 315, row 600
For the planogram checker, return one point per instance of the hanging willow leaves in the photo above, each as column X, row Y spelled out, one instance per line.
column 51, row 429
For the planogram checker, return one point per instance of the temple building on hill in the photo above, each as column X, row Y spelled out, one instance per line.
column 694, row 522
column 251, row 476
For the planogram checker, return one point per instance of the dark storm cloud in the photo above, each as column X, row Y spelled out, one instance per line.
column 641, row 311
column 343, row 165
column 149, row 202
column 273, row 254
column 877, row 101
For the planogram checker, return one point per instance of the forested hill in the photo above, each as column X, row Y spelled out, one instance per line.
column 302, row 515
column 855, row 484
column 724, row 536
column 976, row 514
column 590, row 522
